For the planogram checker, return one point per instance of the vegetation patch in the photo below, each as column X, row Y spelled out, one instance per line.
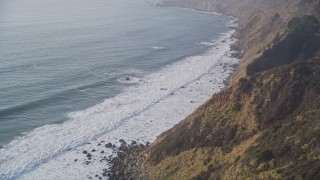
column 265, row 155
column 237, row 159
column 236, row 107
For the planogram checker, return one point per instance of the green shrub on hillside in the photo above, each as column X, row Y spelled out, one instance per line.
column 236, row 107
column 265, row 155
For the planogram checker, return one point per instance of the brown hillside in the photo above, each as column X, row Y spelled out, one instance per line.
column 266, row 125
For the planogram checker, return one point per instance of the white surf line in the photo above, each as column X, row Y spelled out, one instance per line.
column 140, row 124
column 114, row 124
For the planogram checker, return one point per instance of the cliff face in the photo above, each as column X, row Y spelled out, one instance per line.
column 260, row 22
column 300, row 42
column 266, row 125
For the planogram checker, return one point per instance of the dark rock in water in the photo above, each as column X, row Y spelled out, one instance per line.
column 127, row 79
column 102, row 152
column 87, row 162
column 100, row 177
column 104, row 174
column 171, row 93
column 84, row 152
column 108, row 145
column 93, row 150
column 134, row 142
column 163, row 89
column 96, row 175
column 99, row 144
column 89, row 155
column 75, row 160
column 122, row 141
column 223, row 41
column 182, row 87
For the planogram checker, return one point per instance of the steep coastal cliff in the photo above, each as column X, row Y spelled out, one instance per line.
column 266, row 124
column 261, row 23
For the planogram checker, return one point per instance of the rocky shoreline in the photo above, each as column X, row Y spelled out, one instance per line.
column 128, row 162
column 125, row 161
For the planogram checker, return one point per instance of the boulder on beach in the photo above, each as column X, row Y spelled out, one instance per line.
column 122, row 141
column 108, row 145
column 134, row 142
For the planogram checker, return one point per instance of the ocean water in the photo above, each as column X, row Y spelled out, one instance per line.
column 75, row 73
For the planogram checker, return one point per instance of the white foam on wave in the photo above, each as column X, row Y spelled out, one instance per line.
column 207, row 43
column 157, row 47
column 140, row 113
column 125, row 72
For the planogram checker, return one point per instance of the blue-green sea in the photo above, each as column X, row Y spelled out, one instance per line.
column 76, row 74
column 60, row 56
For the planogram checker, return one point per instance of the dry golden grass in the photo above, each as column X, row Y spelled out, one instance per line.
column 263, row 126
